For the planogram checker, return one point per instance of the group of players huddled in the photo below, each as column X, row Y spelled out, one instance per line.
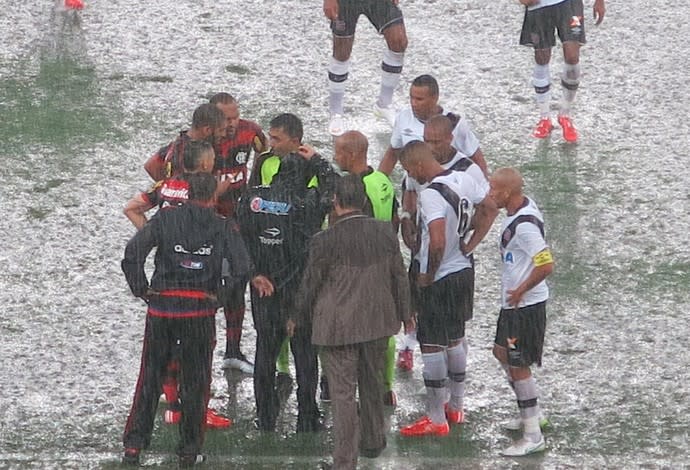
column 220, row 228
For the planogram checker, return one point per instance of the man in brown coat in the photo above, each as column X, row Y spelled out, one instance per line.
column 354, row 295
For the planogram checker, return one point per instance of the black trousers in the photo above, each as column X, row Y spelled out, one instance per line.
column 270, row 316
column 190, row 341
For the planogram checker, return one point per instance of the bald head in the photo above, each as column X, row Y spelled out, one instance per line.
column 441, row 124
column 415, row 152
column 509, row 178
column 354, row 142
column 506, row 187
column 419, row 162
column 438, row 133
column 351, row 151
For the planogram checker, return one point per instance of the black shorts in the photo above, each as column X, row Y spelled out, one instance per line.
column 443, row 307
column 539, row 25
column 521, row 332
column 381, row 14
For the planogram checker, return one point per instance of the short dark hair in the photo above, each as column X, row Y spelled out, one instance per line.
column 350, row 192
column 290, row 124
column 192, row 153
column 208, row 115
column 412, row 150
column 202, row 186
column 222, row 98
column 427, row 81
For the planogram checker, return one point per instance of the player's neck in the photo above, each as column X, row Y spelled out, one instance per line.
column 447, row 157
column 516, row 203
column 359, row 169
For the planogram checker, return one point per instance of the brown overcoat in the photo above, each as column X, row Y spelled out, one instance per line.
column 355, row 286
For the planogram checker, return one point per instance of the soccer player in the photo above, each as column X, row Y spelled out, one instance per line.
column 208, row 123
column 351, row 156
column 409, row 125
column 243, row 139
column 197, row 157
column 542, row 19
column 445, row 281
column 527, row 261
column 192, row 242
column 388, row 20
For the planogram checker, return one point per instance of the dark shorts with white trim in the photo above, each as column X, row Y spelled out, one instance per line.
column 521, row 332
column 443, row 307
column 381, row 14
column 540, row 25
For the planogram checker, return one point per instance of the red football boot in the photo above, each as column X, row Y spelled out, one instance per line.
column 454, row 416
column 74, row 4
column 216, row 421
column 172, row 416
column 425, row 427
column 543, row 129
column 569, row 131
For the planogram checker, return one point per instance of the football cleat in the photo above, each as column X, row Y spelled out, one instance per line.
column 172, row 416
column 569, row 131
column 524, row 447
column 186, row 461
column 131, row 456
column 216, row 421
column 543, row 129
column 74, row 4
column 425, row 427
column 516, row 424
column 387, row 113
column 336, row 125
column 454, row 416
column 239, row 362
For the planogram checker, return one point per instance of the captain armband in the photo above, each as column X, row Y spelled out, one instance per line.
column 542, row 258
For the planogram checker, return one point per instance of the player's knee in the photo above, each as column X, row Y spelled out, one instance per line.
column 342, row 48
column 396, row 38
column 520, row 373
column 400, row 44
column 571, row 53
column 542, row 56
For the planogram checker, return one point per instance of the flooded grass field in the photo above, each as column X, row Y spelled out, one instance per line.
column 85, row 100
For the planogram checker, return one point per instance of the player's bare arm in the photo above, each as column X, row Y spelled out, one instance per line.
column 330, row 9
column 407, row 220
column 437, row 246
column 136, row 209
column 484, row 215
column 479, row 159
column 155, row 167
column 543, row 267
column 390, row 158
column 599, row 11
